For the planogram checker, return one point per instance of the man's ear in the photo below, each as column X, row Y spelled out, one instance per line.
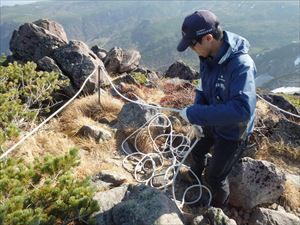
column 209, row 37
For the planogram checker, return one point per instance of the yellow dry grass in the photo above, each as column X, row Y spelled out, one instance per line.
column 42, row 143
column 290, row 196
column 282, row 155
column 88, row 109
column 264, row 111
column 59, row 135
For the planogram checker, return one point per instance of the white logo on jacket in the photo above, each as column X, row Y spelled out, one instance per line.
column 220, row 82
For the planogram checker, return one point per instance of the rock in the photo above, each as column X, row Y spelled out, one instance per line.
column 200, row 220
column 131, row 59
column 100, row 52
column 33, row 41
column 253, row 182
column 262, row 216
column 293, row 178
column 181, row 70
column 281, row 102
column 213, row 216
column 107, row 200
column 133, row 115
column 120, row 61
column 152, row 76
column 64, row 93
column 95, row 132
column 101, row 185
column 48, row 64
column 113, row 60
column 140, row 204
column 141, row 69
column 53, row 27
column 77, row 61
column 274, row 206
column 287, row 131
column 144, row 205
column 110, row 176
column 125, row 78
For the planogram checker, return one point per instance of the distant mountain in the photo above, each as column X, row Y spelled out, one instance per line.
column 153, row 27
column 279, row 67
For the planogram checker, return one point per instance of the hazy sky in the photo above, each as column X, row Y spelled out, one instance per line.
column 12, row 2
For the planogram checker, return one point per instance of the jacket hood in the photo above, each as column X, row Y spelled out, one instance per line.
column 237, row 45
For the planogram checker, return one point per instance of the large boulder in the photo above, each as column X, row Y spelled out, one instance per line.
column 120, row 61
column 181, row 70
column 130, row 204
column 262, row 216
column 253, row 182
column 77, row 61
column 133, row 115
column 35, row 40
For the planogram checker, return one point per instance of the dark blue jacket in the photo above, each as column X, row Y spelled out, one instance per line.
column 227, row 99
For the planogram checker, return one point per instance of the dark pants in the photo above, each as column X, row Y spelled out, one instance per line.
column 225, row 154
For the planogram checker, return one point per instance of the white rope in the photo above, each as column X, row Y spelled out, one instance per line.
column 147, row 166
column 276, row 107
column 46, row 120
column 140, row 161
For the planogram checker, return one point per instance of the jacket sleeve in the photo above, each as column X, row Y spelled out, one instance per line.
column 200, row 97
column 238, row 108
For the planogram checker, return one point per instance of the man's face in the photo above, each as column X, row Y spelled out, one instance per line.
column 203, row 49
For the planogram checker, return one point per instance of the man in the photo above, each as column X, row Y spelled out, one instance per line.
column 225, row 98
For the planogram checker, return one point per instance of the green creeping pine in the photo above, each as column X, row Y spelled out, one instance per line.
column 23, row 92
column 45, row 193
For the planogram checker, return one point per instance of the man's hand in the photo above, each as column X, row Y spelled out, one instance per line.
column 182, row 113
column 198, row 131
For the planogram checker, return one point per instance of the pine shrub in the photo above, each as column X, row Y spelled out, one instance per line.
column 45, row 193
column 139, row 77
column 23, row 92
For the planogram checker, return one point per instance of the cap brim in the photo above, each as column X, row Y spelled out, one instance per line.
column 183, row 44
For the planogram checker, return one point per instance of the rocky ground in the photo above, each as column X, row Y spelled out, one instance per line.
column 265, row 183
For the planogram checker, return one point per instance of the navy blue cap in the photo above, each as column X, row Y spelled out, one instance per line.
column 197, row 25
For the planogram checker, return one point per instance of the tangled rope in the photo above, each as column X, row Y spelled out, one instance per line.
column 166, row 159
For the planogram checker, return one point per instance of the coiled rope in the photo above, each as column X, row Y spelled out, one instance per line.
column 152, row 163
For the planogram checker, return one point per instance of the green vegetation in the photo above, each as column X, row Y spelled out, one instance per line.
column 45, row 193
column 294, row 100
column 2, row 59
column 23, row 91
column 139, row 77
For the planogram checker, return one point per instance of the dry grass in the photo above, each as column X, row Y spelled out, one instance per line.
column 263, row 111
column 290, row 196
column 59, row 135
column 282, row 155
column 90, row 108
column 44, row 142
